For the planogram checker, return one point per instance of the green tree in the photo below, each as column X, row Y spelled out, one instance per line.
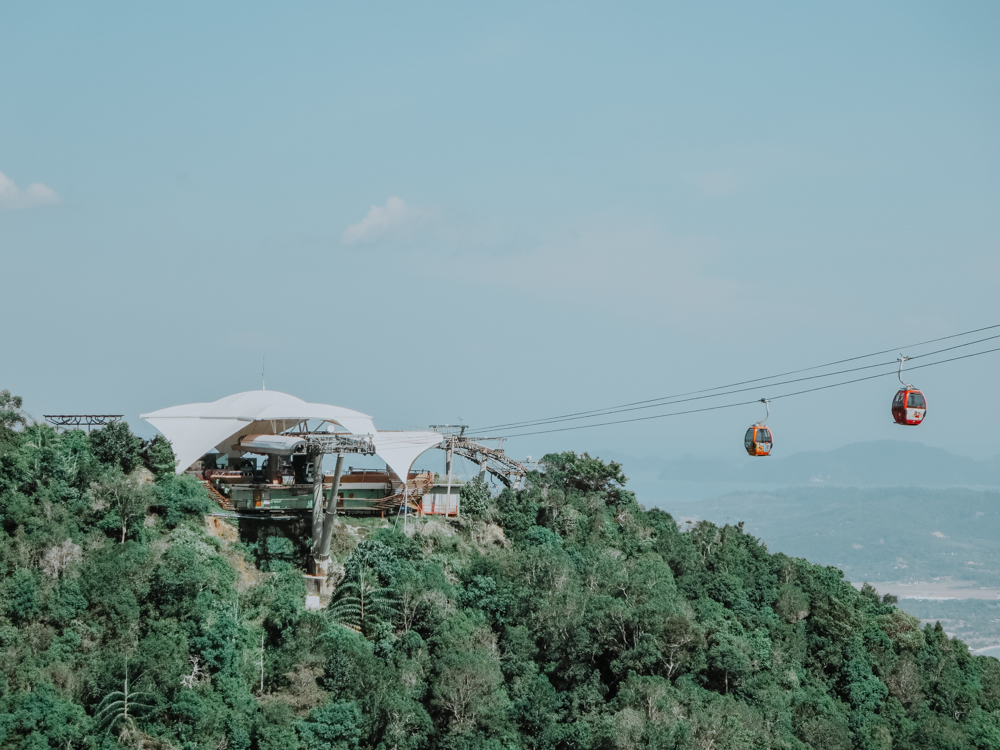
column 11, row 415
column 475, row 498
column 14, row 466
column 22, row 596
column 582, row 472
column 469, row 690
column 115, row 578
column 115, row 445
column 127, row 497
column 333, row 726
column 180, row 497
column 158, row 457
column 41, row 718
column 482, row 592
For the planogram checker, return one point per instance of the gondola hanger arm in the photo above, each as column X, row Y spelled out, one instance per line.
column 903, row 358
column 767, row 405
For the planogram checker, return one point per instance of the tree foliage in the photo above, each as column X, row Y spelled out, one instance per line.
column 579, row 620
column 12, row 417
column 158, row 456
column 475, row 498
column 127, row 497
column 115, row 444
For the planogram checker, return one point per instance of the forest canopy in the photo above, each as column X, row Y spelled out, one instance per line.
column 559, row 615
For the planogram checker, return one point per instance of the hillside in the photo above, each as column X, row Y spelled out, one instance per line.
column 561, row 615
column 934, row 548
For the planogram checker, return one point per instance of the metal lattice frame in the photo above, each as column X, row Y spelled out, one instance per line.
column 82, row 420
column 493, row 460
column 326, row 443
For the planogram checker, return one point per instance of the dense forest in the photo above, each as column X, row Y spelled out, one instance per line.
column 559, row 615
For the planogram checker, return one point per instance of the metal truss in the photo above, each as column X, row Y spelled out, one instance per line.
column 82, row 420
column 493, row 460
column 335, row 442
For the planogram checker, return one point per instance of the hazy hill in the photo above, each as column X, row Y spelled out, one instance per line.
column 873, row 534
column 889, row 463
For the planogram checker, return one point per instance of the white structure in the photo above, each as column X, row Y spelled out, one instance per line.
column 195, row 429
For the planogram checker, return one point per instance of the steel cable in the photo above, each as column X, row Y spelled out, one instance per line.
column 747, row 403
column 653, row 401
column 670, row 401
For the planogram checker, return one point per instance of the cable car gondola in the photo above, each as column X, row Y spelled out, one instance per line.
column 758, row 441
column 909, row 405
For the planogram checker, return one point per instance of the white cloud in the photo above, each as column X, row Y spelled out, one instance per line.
column 393, row 220
column 36, row 194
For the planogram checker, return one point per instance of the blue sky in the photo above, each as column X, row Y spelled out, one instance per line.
column 494, row 212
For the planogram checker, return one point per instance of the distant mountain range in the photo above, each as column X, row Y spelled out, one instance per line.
column 881, row 463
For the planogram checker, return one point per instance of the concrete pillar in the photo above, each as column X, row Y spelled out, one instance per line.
column 322, row 551
column 273, row 469
column 449, row 455
column 317, row 509
column 406, row 506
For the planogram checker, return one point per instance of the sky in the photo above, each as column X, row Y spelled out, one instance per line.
column 493, row 212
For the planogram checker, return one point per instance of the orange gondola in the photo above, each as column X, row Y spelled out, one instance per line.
column 909, row 405
column 758, row 441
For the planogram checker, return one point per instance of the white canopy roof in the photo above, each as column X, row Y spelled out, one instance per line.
column 194, row 429
column 400, row 449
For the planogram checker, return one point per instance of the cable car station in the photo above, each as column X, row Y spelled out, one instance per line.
column 220, row 443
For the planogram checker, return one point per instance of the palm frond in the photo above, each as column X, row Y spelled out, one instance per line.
column 117, row 695
column 119, row 706
column 112, row 707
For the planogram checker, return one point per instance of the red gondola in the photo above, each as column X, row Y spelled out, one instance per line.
column 758, row 441
column 909, row 406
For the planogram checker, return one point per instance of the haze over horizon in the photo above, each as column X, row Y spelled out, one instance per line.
column 499, row 213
